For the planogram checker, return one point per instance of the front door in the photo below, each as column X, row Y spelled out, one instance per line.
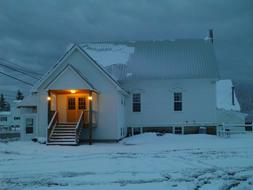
column 75, row 105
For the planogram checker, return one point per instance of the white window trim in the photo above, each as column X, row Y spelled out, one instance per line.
column 137, row 102
column 177, row 111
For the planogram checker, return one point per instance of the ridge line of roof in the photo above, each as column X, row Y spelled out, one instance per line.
column 147, row 41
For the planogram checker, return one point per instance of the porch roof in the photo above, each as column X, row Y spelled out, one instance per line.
column 28, row 101
column 68, row 91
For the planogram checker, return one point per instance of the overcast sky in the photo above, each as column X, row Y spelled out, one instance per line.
column 35, row 33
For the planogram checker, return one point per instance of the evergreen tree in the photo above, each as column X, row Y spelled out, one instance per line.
column 19, row 95
column 4, row 105
column 2, row 102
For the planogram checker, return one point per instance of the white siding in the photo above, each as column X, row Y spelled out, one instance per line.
column 157, row 109
column 121, row 123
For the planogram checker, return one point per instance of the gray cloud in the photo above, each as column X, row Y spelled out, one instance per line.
column 34, row 33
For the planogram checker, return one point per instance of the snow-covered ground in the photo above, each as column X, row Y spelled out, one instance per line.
column 141, row 162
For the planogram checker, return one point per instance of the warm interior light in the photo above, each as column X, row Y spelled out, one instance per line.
column 90, row 97
column 73, row 91
column 48, row 98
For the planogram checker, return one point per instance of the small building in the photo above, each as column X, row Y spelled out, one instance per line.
column 5, row 120
column 10, row 120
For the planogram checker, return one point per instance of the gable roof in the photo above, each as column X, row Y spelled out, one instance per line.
column 185, row 58
column 119, row 61
column 60, row 62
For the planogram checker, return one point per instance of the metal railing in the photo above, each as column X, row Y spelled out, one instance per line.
column 9, row 128
column 52, row 125
column 226, row 130
column 79, row 127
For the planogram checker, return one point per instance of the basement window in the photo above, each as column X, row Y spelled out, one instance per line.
column 29, row 125
column 178, row 101
column 136, row 103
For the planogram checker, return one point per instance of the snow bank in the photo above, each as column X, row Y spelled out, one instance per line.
column 166, row 139
column 41, row 140
column 108, row 54
column 224, row 96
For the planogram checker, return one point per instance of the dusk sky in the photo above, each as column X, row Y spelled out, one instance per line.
column 35, row 33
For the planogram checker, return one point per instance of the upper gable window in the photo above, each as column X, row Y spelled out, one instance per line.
column 136, row 102
column 178, row 101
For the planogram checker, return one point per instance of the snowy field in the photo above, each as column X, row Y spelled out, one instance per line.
column 141, row 162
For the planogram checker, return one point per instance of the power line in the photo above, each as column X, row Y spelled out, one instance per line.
column 20, row 80
column 20, row 67
column 20, row 71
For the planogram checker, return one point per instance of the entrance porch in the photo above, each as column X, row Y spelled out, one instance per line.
column 69, row 112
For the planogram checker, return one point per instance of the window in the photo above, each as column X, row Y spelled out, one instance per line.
column 81, row 104
column 29, row 125
column 16, row 118
column 136, row 102
column 71, row 103
column 178, row 105
column 3, row 118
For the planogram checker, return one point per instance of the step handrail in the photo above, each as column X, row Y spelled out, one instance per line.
column 52, row 125
column 79, row 126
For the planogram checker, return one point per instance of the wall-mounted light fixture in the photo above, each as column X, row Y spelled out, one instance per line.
column 73, row 91
column 90, row 98
column 48, row 98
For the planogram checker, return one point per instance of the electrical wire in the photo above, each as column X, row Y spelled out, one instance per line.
column 20, row 80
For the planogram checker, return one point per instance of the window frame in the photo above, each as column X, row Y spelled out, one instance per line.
column 177, row 101
column 71, row 106
column 136, row 101
column 82, row 106
column 29, row 126
column 3, row 118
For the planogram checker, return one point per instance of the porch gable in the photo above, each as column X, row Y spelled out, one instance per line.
column 69, row 78
column 64, row 60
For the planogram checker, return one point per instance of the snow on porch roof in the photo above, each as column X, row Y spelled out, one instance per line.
column 28, row 101
column 184, row 58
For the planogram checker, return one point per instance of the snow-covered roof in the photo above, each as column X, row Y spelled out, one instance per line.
column 28, row 101
column 108, row 53
column 5, row 113
column 156, row 59
column 224, row 96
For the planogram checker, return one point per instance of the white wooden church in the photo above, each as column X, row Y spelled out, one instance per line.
column 103, row 91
